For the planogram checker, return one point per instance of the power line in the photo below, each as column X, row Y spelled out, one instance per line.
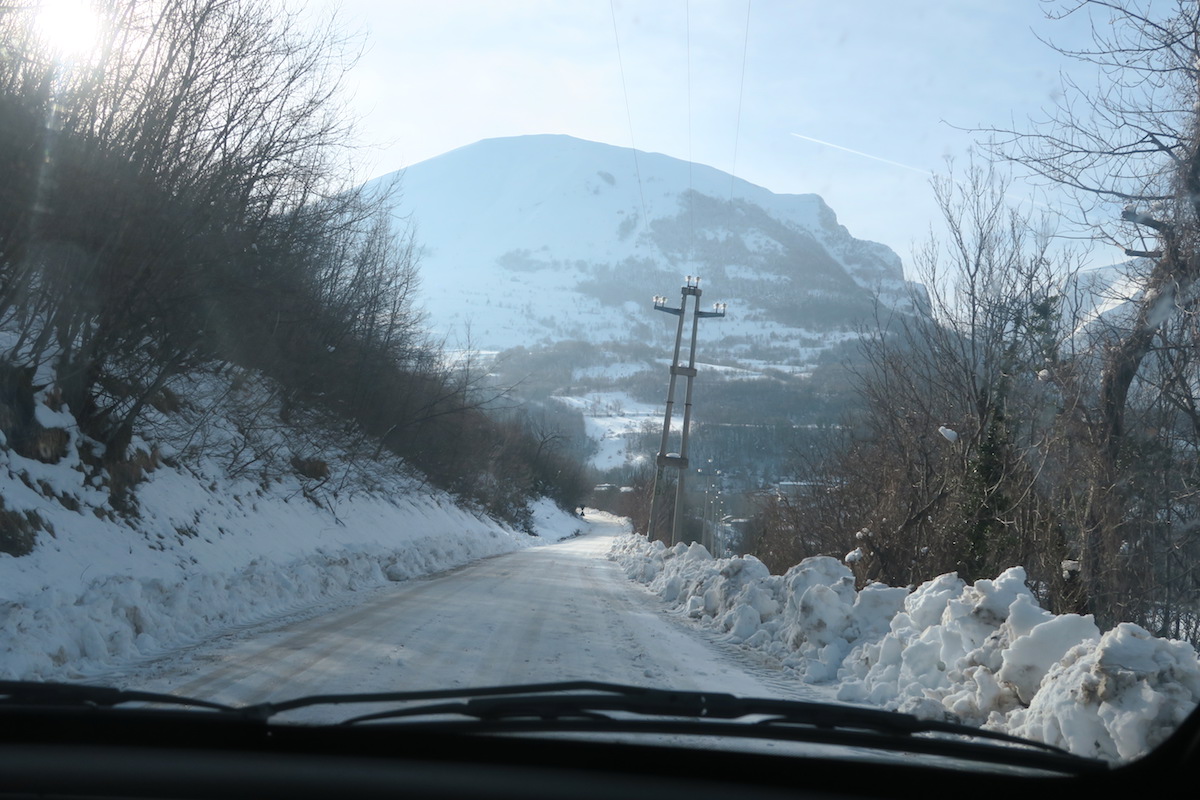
column 741, row 91
column 691, row 188
column 629, row 115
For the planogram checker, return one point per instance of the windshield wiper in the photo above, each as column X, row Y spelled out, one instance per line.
column 32, row 693
column 589, row 706
column 596, row 707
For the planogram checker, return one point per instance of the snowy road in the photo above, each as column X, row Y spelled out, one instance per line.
column 556, row 612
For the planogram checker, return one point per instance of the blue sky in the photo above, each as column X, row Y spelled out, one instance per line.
column 892, row 79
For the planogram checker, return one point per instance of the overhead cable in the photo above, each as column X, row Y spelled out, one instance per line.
column 741, row 91
column 629, row 115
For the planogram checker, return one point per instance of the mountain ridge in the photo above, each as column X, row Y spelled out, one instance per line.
column 561, row 219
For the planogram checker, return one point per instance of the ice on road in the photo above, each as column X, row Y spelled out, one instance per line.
column 556, row 612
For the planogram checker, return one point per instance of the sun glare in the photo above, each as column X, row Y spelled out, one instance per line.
column 69, row 27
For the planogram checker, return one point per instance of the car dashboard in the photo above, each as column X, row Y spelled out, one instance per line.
column 94, row 753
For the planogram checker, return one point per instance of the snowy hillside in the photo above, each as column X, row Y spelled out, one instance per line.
column 212, row 543
column 538, row 239
column 548, row 249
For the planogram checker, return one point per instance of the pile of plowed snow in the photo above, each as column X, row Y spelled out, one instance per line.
column 985, row 653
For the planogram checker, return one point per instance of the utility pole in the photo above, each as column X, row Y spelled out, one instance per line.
column 678, row 461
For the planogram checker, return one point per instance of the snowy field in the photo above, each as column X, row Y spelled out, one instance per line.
column 985, row 653
column 614, row 420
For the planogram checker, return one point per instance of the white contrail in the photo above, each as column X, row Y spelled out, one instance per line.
column 1014, row 198
column 861, row 153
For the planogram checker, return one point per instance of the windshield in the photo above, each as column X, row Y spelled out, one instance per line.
column 802, row 351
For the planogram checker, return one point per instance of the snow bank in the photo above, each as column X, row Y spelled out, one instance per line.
column 986, row 654
column 1116, row 697
column 209, row 553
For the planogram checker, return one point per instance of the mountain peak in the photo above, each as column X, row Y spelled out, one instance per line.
column 546, row 237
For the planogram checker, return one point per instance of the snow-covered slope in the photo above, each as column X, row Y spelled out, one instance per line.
column 539, row 239
column 222, row 530
column 208, row 553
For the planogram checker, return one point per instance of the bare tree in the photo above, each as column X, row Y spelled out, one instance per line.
column 954, row 461
column 1128, row 150
column 191, row 164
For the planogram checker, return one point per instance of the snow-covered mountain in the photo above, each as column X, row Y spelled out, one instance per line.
column 548, row 250
column 541, row 239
